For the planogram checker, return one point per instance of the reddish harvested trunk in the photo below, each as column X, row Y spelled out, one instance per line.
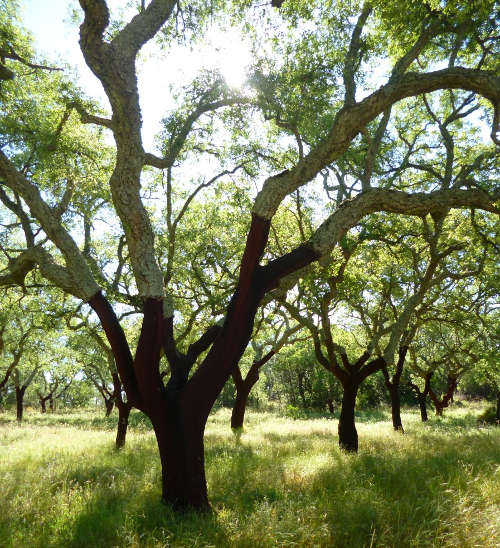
column 396, row 407
column 240, row 404
column 441, row 404
column 359, row 371
column 422, row 399
column 244, row 387
column 109, row 404
column 19, row 402
column 121, row 431
column 422, row 396
column 348, row 435
column 180, row 442
column 43, row 405
column 393, row 388
column 179, row 411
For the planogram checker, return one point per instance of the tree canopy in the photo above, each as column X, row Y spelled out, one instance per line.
column 352, row 112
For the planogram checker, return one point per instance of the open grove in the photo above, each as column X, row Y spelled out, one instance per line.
column 249, row 273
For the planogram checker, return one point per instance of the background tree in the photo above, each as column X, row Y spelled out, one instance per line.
column 278, row 335
column 179, row 407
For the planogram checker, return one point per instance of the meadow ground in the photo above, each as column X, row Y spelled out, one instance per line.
column 283, row 482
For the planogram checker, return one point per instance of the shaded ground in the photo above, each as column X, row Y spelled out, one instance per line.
column 283, row 482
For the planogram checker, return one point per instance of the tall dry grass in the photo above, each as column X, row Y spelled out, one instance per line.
column 283, row 482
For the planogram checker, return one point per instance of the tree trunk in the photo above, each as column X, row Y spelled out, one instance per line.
column 329, row 403
column 423, row 407
column 444, row 402
column 52, row 404
column 109, row 404
column 498, row 407
column 121, row 431
column 302, row 393
column 396, row 407
column 43, row 406
column 181, row 448
column 348, row 436
column 239, row 408
column 422, row 396
column 19, row 402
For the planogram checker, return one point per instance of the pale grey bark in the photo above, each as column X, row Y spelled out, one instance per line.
column 76, row 278
column 351, row 120
column 114, row 64
column 393, row 201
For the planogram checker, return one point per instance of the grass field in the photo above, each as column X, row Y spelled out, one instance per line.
column 283, row 482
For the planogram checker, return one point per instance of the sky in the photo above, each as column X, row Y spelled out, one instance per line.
column 56, row 37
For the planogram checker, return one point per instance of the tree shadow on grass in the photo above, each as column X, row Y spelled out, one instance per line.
column 115, row 502
column 378, row 497
column 407, row 497
column 141, row 521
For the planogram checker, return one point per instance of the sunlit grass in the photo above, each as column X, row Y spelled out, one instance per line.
column 282, row 482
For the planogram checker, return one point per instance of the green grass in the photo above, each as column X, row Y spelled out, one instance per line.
column 283, row 482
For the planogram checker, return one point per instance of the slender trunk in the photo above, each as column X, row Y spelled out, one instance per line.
column 19, row 402
column 43, row 406
column 301, row 389
column 239, row 408
column 348, row 436
column 109, row 404
column 329, row 403
column 121, row 431
column 244, row 387
column 52, row 404
column 422, row 396
column 423, row 407
column 396, row 407
column 444, row 402
column 498, row 406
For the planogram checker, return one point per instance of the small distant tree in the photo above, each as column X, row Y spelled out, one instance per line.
column 50, row 389
column 276, row 335
column 21, row 383
column 330, row 110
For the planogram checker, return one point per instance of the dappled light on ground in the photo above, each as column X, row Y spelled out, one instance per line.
column 282, row 482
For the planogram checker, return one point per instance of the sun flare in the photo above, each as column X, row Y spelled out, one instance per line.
column 231, row 56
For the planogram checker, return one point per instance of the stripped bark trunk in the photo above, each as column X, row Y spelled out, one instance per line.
column 441, row 404
column 422, row 396
column 348, row 435
column 43, row 404
column 109, row 404
column 396, row 408
column 423, row 407
column 121, row 430
column 19, row 402
column 240, row 404
column 329, row 403
column 393, row 388
column 351, row 381
column 180, row 440
column 244, row 387
column 180, row 410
